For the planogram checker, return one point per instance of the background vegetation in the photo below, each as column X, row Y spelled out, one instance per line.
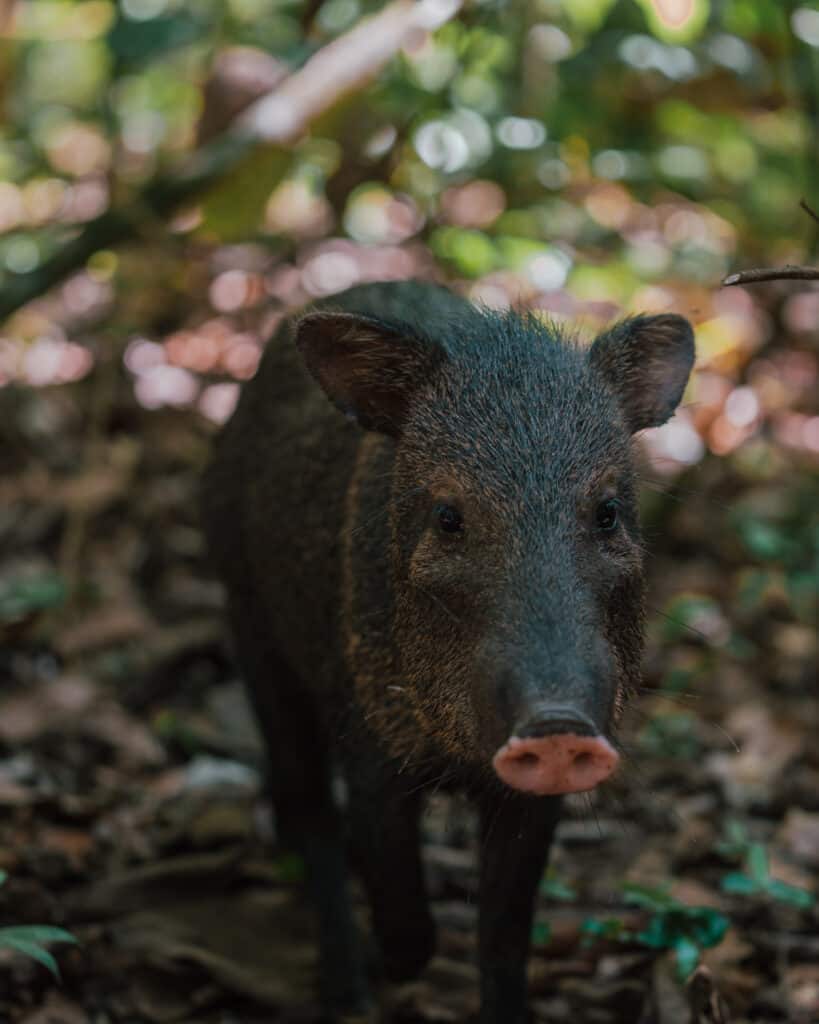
column 174, row 177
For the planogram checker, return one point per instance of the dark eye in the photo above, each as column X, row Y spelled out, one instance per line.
column 449, row 519
column 606, row 515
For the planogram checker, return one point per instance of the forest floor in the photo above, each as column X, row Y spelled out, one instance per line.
column 130, row 771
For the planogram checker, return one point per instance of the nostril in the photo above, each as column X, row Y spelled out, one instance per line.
column 583, row 760
column 528, row 759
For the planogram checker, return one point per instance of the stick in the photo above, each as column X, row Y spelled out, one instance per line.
column 810, row 212
column 786, row 273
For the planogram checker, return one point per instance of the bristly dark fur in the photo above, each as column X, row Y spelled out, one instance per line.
column 410, row 654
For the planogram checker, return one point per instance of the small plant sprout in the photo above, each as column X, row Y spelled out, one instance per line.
column 554, row 889
column 671, row 925
column 31, row 940
column 756, row 880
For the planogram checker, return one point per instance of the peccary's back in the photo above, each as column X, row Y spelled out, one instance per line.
column 275, row 497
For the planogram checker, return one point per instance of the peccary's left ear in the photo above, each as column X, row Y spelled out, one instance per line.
column 369, row 369
column 646, row 361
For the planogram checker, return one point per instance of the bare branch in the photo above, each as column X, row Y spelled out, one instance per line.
column 810, row 212
column 343, row 66
column 786, row 273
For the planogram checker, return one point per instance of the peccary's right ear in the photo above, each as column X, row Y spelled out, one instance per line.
column 646, row 360
column 368, row 369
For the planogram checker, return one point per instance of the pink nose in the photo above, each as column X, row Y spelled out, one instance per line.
column 548, row 765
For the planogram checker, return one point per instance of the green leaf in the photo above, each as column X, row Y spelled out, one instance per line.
column 738, row 884
column 541, row 933
column 19, row 597
column 688, row 955
column 658, row 933
column 736, row 841
column 652, row 898
column 709, row 927
column 554, row 889
column 603, row 928
column 3, row 877
column 27, row 939
column 37, row 933
column 756, row 861
column 790, row 894
column 763, row 540
column 31, row 949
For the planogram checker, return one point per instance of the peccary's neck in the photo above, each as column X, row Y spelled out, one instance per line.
column 367, row 609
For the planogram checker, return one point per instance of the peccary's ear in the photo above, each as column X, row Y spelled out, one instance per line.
column 646, row 360
column 368, row 369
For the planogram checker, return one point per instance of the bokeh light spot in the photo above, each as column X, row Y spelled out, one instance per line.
column 742, row 407
column 218, row 401
column 805, row 25
column 329, row 272
column 521, row 132
column 165, row 385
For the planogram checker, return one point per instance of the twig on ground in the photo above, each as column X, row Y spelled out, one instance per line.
column 707, row 1005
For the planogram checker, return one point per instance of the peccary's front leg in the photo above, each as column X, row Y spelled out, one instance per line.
column 385, row 836
column 306, row 816
column 516, row 833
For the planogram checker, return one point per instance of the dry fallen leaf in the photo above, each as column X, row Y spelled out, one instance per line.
column 802, row 991
column 107, row 626
column 56, row 1009
column 767, row 746
column 707, row 1005
column 800, row 836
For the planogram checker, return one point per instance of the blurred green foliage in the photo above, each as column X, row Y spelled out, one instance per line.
column 756, row 880
column 31, row 940
column 20, row 596
column 535, row 96
column 671, row 925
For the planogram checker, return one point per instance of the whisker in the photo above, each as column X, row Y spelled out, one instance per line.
column 399, row 500
column 680, row 699
column 593, row 811
column 681, row 495
column 679, row 696
column 725, row 733
column 678, row 622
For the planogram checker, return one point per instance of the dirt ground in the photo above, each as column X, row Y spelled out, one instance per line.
column 130, row 770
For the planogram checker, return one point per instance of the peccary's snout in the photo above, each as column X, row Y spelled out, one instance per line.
column 555, row 751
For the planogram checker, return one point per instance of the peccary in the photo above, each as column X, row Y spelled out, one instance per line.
column 443, row 584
